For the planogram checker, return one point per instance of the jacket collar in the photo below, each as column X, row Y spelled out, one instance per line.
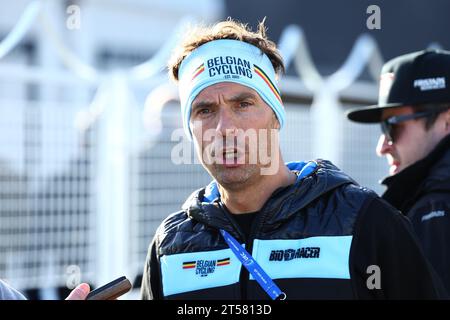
column 429, row 174
column 314, row 178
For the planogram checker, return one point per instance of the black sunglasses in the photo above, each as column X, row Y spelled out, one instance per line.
column 388, row 126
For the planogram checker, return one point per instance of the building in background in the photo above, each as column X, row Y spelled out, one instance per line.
column 56, row 225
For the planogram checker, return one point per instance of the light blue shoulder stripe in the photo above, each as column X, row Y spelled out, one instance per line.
column 314, row 257
column 321, row 257
column 208, row 269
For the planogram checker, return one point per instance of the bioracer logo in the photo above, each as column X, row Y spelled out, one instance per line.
column 290, row 254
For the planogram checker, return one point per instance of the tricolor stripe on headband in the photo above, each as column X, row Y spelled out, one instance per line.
column 267, row 80
column 199, row 70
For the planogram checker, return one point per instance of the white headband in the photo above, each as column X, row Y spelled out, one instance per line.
column 227, row 61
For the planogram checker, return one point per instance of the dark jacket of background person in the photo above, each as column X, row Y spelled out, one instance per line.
column 422, row 193
column 343, row 229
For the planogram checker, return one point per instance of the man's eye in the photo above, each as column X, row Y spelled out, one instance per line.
column 244, row 104
column 204, row 111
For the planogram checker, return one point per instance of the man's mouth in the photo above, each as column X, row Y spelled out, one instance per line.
column 232, row 158
column 230, row 154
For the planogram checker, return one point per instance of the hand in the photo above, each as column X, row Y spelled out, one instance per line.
column 80, row 292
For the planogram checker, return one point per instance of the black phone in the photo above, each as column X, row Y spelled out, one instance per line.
column 111, row 291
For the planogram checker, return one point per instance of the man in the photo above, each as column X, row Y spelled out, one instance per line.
column 9, row 293
column 414, row 112
column 263, row 229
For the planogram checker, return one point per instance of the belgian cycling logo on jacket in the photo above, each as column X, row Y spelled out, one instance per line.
column 205, row 267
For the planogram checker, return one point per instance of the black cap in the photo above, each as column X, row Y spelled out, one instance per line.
column 416, row 78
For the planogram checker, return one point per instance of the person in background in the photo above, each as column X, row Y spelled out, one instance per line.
column 414, row 112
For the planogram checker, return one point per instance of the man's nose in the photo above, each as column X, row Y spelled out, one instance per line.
column 384, row 146
column 226, row 124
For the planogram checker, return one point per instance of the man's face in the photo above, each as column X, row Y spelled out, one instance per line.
column 412, row 141
column 230, row 123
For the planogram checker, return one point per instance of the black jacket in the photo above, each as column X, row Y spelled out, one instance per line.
column 422, row 193
column 323, row 237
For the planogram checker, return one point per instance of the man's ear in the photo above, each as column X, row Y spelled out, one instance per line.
column 276, row 123
column 447, row 120
column 447, row 115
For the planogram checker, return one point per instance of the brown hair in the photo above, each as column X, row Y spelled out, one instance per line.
column 228, row 29
column 436, row 110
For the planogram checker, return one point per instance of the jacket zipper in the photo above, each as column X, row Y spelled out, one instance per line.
column 244, row 277
column 257, row 223
column 243, row 273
